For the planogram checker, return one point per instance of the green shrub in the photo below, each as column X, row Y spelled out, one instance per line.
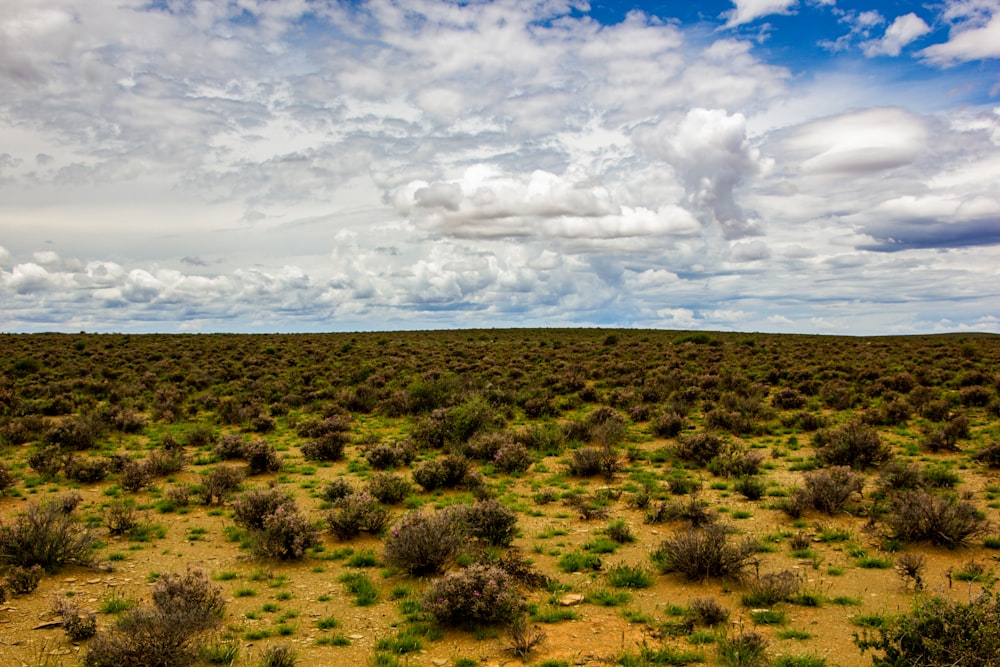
column 355, row 513
column 747, row 649
column 937, row 631
column 699, row 448
column 422, row 543
column 852, row 444
column 576, row 561
column 443, row 473
column 388, row 488
column 629, row 576
column 361, row 587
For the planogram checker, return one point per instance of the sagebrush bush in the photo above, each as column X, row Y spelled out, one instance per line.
column 77, row 624
column 46, row 536
column 590, row 461
column 354, row 513
column 7, row 479
column 383, row 456
column 285, row 535
column 220, row 481
column 253, row 506
column 22, row 580
column 830, row 489
column 698, row 448
column 667, row 424
column 84, row 469
column 771, row 588
column 443, row 473
column 422, row 543
column 853, row 444
column 163, row 462
column 708, row 611
column 703, row 553
column 937, row 631
column 134, row 475
column 388, row 488
column 990, row 455
column 336, row 489
column 513, row 457
column 167, row 635
column 328, row 447
column 261, row 457
column 900, row 476
column 916, row 516
column 747, row 649
column 489, row 521
column 479, row 594
column 279, row 656
column 120, row 516
column 230, row 446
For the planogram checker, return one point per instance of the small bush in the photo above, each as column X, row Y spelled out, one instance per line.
column 750, row 487
column 355, row 513
column 916, row 516
column 220, row 481
column 120, row 516
column 911, row 568
column 443, row 473
column 829, row 490
column 747, row 649
column 77, row 624
column 252, row 507
column 771, row 588
column 619, row 531
column 22, row 580
column 278, row 656
column 388, row 488
column 704, row 553
column 230, row 446
column 7, row 479
column 166, row 462
column 422, row 543
column 948, row 436
column 329, row 447
column 698, row 448
column 990, row 455
column 261, row 457
column 937, row 631
column 668, row 424
column 384, row 457
column 489, row 521
column 285, row 535
column 853, row 444
column 629, row 576
column 134, row 475
column 46, row 536
column 86, row 470
column 336, row 489
column 900, row 476
column 707, row 611
column 479, row 594
column 590, row 461
column 513, row 457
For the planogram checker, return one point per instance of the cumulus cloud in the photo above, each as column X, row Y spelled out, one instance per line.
column 903, row 30
column 975, row 37
column 746, row 11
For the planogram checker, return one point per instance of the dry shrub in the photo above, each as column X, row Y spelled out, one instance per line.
column 590, row 461
column 707, row 611
column 917, row 516
column 120, row 516
column 668, row 424
column 479, row 594
column 253, row 506
column 261, row 457
column 219, row 482
column 336, row 489
column 286, row 535
column 22, row 580
column 699, row 448
column 488, row 521
column 86, row 470
column 900, row 476
column 947, row 437
column 829, row 490
column 513, row 457
column 703, row 553
column 77, row 624
column 383, row 457
column 7, row 479
column 134, row 475
column 990, row 455
column 771, row 588
column 443, row 473
column 230, row 446
column 184, row 607
column 46, row 536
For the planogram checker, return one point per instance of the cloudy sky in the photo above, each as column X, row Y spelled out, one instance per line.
column 819, row 166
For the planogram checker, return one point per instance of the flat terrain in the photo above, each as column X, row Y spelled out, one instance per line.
column 703, row 428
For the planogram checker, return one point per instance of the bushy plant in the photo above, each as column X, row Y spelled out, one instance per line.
column 589, row 461
column 513, row 457
column 220, row 481
column 278, row 656
column 46, row 536
column 703, row 553
column 120, row 516
column 166, row 461
column 489, row 521
column 184, row 606
column 990, row 455
column 442, row 473
column 937, row 631
column 948, row 436
column 667, row 424
column 384, row 456
column 917, row 516
column 388, row 488
column 285, row 535
column 77, row 624
column 134, row 475
column 230, row 446
column 830, row 489
column 336, row 489
column 698, row 448
column 708, row 611
column 771, row 588
column 7, row 479
column 261, row 457
column 327, row 447
column 354, row 513
column 252, row 507
column 747, row 649
column 853, row 444
column 22, row 580
column 900, row 476
column 422, row 543
column 479, row 594
column 85, row 469
column 47, row 461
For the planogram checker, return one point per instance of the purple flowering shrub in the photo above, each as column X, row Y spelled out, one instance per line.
column 512, row 457
column 261, row 457
column 479, row 594
column 423, row 543
column 253, row 506
column 354, row 513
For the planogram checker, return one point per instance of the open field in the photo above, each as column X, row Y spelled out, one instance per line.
column 592, row 474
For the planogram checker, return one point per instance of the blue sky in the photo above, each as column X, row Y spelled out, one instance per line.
column 817, row 166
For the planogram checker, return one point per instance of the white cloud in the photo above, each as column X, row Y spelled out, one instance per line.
column 746, row 11
column 903, row 30
column 974, row 39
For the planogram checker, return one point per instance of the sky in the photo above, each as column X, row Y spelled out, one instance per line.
column 790, row 166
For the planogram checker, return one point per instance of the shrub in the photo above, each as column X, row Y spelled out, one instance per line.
column 354, row 513
column 442, row 473
column 911, row 568
column 829, row 490
column 219, row 482
column 200, row 436
column 262, row 457
column 46, row 461
column 750, row 487
column 478, row 594
column 629, row 576
column 668, row 424
column 698, row 448
column 278, row 656
column 120, row 516
column 707, row 611
column 619, row 531
column 942, row 520
column 852, row 444
column 702, row 553
column 948, row 436
column 771, row 588
column 484, row 446
column 899, row 476
column 86, row 470
column 7, row 479
column 736, row 461
column 513, row 457
column 388, row 488
column 589, row 461
column 75, row 433
column 46, row 536
column 328, row 447
column 937, row 631
column 134, row 475
column 990, row 455
column 489, row 521
column 252, row 507
column 747, row 649
column 286, row 535
column 22, row 580
column 384, row 457
column 166, row 461
column 184, row 606
column 77, row 624
column 336, row 489
column 422, row 543
column 230, row 446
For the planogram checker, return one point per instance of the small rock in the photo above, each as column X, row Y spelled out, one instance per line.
column 439, row 662
column 356, row 636
column 570, row 599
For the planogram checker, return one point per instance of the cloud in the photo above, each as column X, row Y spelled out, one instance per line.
column 903, row 30
column 976, row 38
column 746, row 11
